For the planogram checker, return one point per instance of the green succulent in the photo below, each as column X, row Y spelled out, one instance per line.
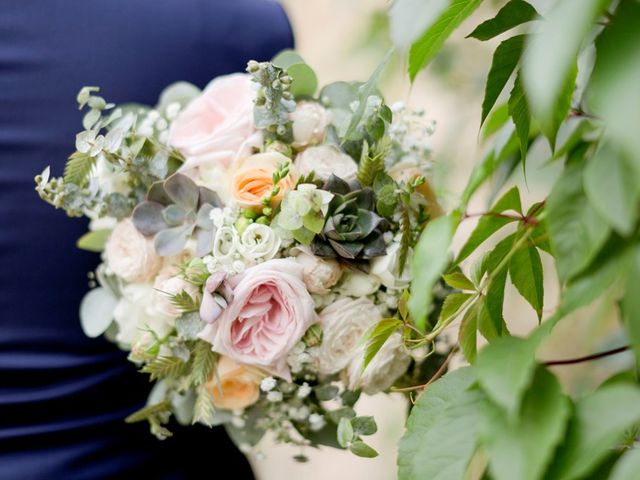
column 175, row 210
column 352, row 231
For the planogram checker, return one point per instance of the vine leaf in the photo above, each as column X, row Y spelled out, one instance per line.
column 514, row 13
column 429, row 262
column 505, row 369
column 519, row 111
column 524, row 448
column 589, row 439
column 577, row 231
column 441, row 433
column 525, row 270
column 490, row 224
column 78, row 168
column 630, row 305
column 505, row 60
column 377, row 337
column 467, row 337
column 428, row 45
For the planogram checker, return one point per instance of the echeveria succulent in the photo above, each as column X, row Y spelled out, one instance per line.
column 175, row 210
column 352, row 231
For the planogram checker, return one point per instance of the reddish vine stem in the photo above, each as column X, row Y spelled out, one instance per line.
column 435, row 376
column 588, row 358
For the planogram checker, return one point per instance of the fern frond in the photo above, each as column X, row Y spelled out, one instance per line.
column 149, row 411
column 203, row 410
column 372, row 161
column 165, row 367
column 78, row 168
column 185, row 302
column 204, row 361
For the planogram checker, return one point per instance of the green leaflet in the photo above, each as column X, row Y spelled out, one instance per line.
column 505, row 60
column 430, row 259
column 525, row 271
column 599, row 422
column 441, row 431
column 519, row 111
column 523, row 449
column 514, row 13
column 428, row 45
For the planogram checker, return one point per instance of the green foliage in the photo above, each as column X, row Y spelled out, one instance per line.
column 577, row 231
column 78, row 168
column 519, row 112
column 598, row 424
column 371, row 164
column 377, row 336
column 441, row 431
column 429, row 262
column 523, row 449
column 514, row 13
column 505, row 60
column 428, row 45
column 528, row 427
column 204, row 362
column 166, row 367
column 94, row 241
column 203, row 409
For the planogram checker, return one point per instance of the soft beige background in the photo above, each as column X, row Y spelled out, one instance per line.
column 345, row 40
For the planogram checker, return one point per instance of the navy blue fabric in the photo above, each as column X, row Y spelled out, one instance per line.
column 63, row 396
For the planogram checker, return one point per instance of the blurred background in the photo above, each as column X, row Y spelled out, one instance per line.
column 345, row 40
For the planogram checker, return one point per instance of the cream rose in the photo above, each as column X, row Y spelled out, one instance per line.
column 325, row 160
column 387, row 268
column 358, row 284
column 233, row 386
column 251, row 179
column 308, row 121
column 343, row 324
column 167, row 284
column 319, row 274
column 136, row 313
column 270, row 311
column 217, row 126
column 130, row 254
column 389, row 363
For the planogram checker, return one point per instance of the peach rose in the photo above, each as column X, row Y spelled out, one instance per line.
column 270, row 312
column 130, row 254
column 217, row 126
column 233, row 386
column 251, row 179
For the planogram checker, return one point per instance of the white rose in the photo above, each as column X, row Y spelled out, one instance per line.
column 343, row 324
column 387, row 268
column 325, row 160
column 258, row 243
column 130, row 254
column 309, row 121
column 167, row 283
column 390, row 362
column 136, row 313
column 319, row 274
column 358, row 284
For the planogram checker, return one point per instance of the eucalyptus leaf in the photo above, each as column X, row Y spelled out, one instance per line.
column 96, row 311
column 95, row 240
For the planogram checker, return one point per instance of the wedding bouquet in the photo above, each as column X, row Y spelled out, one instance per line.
column 256, row 244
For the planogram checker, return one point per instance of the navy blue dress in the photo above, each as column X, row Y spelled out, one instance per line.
column 63, row 396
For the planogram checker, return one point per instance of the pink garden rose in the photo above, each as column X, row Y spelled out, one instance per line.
column 217, row 126
column 270, row 312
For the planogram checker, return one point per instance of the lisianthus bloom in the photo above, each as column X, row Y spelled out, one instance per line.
column 270, row 312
